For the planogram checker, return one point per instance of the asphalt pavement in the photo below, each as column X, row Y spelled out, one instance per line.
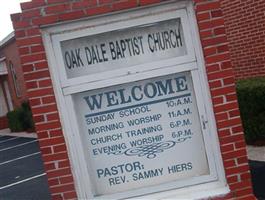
column 257, row 169
column 22, row 175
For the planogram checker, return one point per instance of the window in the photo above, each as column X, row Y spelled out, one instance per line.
column 3, row 105
column 3, row 69
column 15, row 79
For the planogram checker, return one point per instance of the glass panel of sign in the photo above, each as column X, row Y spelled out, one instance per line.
column 142, row 133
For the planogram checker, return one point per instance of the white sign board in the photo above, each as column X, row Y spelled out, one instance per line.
column 134, row 104
column 141, row 133
column 123, row 48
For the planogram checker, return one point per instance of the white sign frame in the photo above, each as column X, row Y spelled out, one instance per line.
column 193, row 62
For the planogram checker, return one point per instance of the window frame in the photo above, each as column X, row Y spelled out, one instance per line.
column 14, row 78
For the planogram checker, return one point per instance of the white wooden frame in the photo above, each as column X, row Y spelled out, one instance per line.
column 214, row 183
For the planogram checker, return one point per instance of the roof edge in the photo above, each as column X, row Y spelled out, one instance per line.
column 9, row 37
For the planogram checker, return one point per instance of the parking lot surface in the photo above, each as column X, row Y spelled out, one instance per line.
column 257, row 169
column 22, row 176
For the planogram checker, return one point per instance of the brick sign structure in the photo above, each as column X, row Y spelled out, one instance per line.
column 133, row 98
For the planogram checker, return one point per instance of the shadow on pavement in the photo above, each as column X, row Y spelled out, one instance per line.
column 257, row 169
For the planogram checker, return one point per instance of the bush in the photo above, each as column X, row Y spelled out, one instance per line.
column 14, row 120
column 27, row 116
column 251, row 98
column 20, row 119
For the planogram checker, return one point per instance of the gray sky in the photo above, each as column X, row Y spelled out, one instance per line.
column 7, row 7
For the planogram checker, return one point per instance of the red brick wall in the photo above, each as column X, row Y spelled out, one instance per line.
column 3, row 123
column 41, row 93
column 245, row 26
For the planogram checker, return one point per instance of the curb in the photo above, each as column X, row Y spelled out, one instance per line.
column 7, row 132
column 256, row 153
